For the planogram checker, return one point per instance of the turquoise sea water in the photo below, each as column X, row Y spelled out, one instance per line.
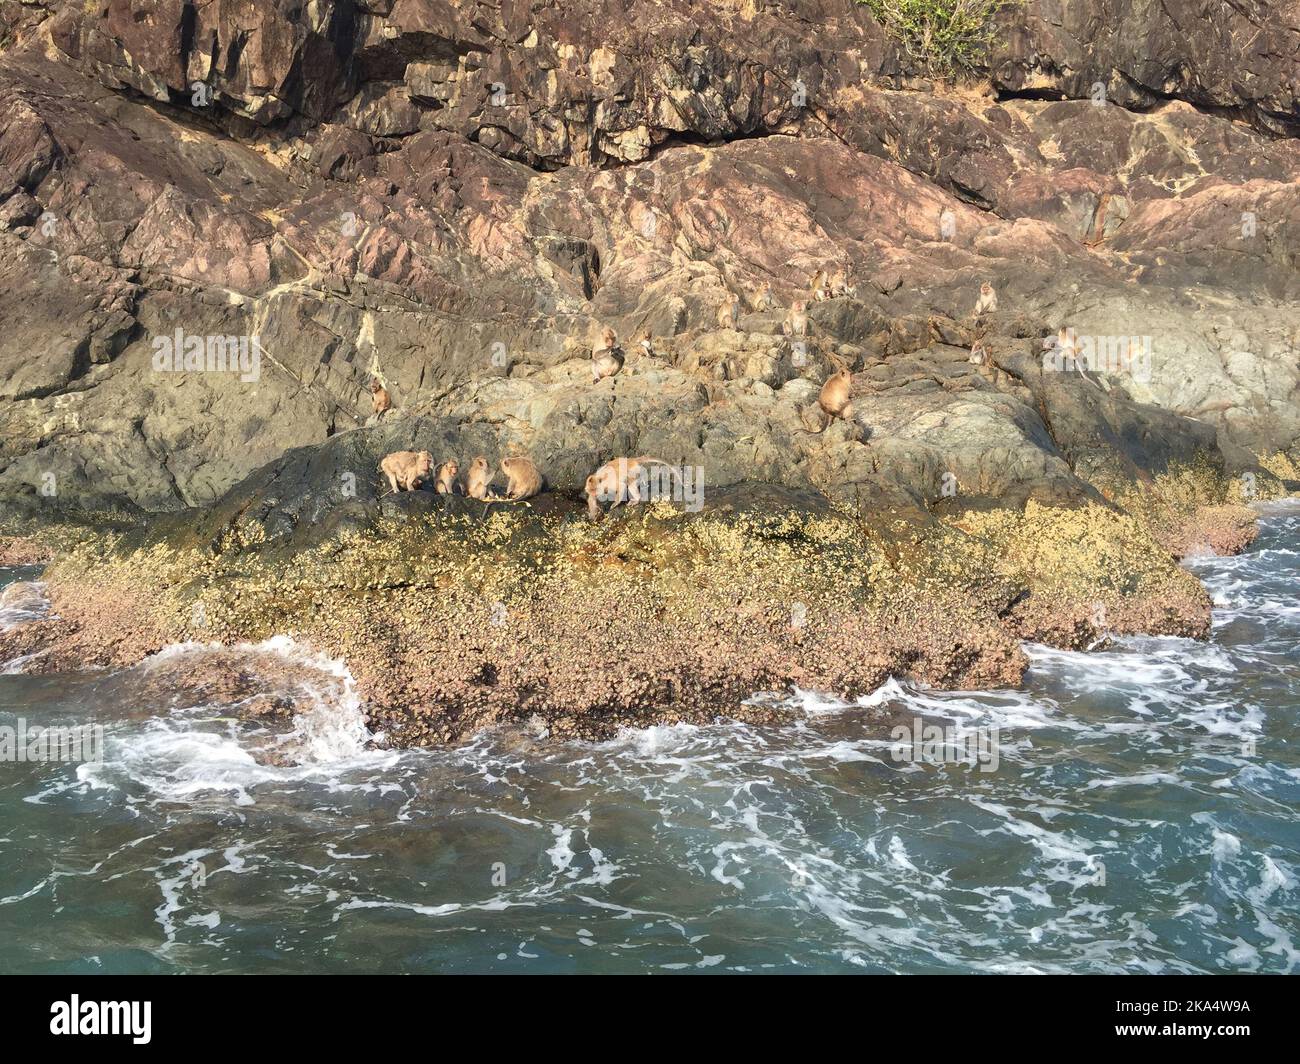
column 1143, row 816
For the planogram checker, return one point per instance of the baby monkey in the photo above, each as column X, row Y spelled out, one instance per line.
column 379, row 399
column 445, row 482
column 645, row 342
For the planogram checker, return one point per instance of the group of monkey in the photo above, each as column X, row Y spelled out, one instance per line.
column 618, row 481
column 834, row 398
column 614, row 483
column 407, row 471
column 607, row 356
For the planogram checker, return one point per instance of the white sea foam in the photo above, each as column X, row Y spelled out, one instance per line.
column 1006, row 708
column 22, row 602
column 18, row 665
column 182, row 756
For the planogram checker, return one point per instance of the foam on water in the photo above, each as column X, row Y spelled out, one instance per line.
column 21, row 602
column 1005, row 709
column 200, row 751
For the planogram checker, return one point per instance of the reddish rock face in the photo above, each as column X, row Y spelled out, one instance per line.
column 1240, row 58
column 455, row 197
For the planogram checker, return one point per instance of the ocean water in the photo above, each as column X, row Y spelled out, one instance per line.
column 1133, row 809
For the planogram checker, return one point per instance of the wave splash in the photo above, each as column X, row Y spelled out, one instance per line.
column 224, row 720
column 21, row 602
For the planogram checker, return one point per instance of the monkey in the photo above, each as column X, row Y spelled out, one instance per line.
column 616, row 479
column 1066, row 347
column 763, row 300
column 605, row 364
column 380, row 401
column 822, row 286
column 729, row 313
column 988, row 300
column 677, row 308
column 1066, row 355
column 1070, row 355
column 979, row 355
column 406, row 470
column 1073, row 349
column 607, row 358
column 523, row 480
column 796, row 322
column 612, row 482
column 478, row 478
column 838, row 285
column 643, row 341
column 608, row 340
column 835, row 393
column 445, row 484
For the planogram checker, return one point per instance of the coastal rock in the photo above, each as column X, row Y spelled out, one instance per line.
column 219, row 225
column 452, row 615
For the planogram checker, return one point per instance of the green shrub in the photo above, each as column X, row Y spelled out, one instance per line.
column 944, row 36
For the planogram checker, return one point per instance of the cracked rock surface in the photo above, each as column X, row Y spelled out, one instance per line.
column 456, row 196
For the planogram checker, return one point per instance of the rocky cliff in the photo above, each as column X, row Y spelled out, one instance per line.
column 449, row 196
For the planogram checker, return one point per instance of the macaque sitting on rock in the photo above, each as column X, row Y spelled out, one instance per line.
column 835, row 393
column 445, row 483
column 729, row 313
column 606, row 357
column 796, row 322
column 478, row 479
column 523, row 478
